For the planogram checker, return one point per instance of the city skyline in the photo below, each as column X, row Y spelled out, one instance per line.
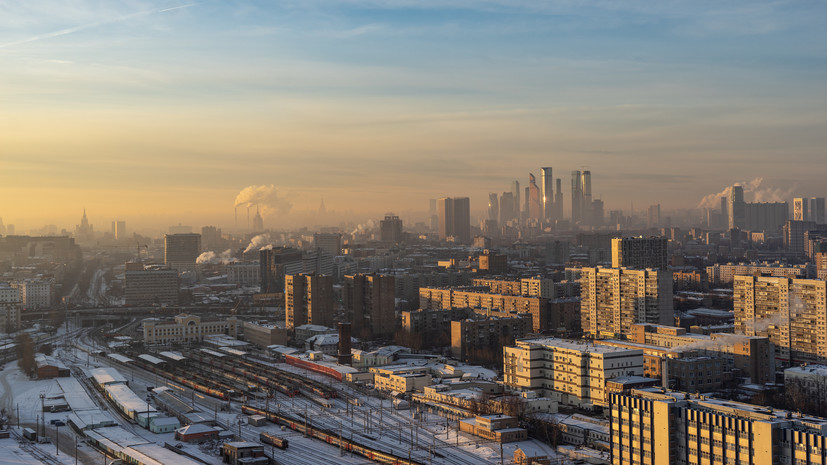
column 158, row 112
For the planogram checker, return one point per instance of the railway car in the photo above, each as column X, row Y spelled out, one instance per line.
column 273, row 440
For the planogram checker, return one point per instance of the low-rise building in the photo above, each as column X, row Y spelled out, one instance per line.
column 187, row 328
column 305, row 332
column 499, row 428
column 243, row 453
column 264, row 334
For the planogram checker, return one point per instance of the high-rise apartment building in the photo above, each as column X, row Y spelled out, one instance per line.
column 548, row 193
column 328, row 242
column 455, row 219
column 791, row 312
column 614, row 299
column 181, row 250
column 737, row 207
column 794, row 232
column 9, row 308
column 640, row 252
column 308, row 299
column 390, row 229
column 653, row 427
column 275, row 263
column 370, row 304
column 150, row 286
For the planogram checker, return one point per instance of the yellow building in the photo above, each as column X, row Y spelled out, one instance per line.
column 791, row 312
column 653, row 427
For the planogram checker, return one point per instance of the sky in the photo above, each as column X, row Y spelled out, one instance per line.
column 160, row 112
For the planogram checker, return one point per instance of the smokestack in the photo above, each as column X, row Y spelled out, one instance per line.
column 345, row 357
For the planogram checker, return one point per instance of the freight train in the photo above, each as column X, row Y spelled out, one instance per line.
column 331, row 437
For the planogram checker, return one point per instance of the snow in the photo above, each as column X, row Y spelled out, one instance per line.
column 12, row 454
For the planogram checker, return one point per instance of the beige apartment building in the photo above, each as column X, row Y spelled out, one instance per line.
column 791, row 312
column 438, row 298
column 613, row 299
column 570, row 372
column 654, row 427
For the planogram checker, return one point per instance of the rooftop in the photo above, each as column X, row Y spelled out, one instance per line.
column 580, row 346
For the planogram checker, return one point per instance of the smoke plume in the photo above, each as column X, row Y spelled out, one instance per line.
column 266, row 198
column 212, row 258
column 262, row 241
column 754, row 187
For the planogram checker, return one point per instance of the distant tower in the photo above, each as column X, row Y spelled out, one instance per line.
column 258, row 222
column 548, row 193
column 576, row 197
column 737, row 207
column 535, row 204
column 586, row 201
column 515, row 193
column 455, row 219
column 493, row 207
column 800, row 212
column 558, row 200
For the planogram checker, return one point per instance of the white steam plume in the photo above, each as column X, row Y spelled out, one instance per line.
column 212, row 258
column 759, row 194
column 262, row 241
column 265, row 197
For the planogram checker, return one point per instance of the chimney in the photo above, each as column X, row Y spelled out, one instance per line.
column 345, row 357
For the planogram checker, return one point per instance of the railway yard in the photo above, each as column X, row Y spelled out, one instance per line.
column 302, row 417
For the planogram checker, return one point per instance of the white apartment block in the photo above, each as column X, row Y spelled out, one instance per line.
column 36, row 294
column 569, row 372
column 9, row 308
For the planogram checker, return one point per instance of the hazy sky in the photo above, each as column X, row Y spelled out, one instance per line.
column 163, row 111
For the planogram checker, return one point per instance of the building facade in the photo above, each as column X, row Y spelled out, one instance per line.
column 308, row 299
column 571, row 372
column 181, row 250
column 640, row 252
column 150, row 286
column 370, row 304
column 455, row 219
column 791, row 312
column 186, row 328
column 613, row 299
column 653, row 427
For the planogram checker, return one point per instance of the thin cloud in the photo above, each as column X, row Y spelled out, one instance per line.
column 72, row 30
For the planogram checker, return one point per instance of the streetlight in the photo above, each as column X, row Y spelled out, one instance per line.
column 57, row 438
column 147, row 411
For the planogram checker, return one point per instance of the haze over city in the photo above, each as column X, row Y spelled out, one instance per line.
column 162, row 112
